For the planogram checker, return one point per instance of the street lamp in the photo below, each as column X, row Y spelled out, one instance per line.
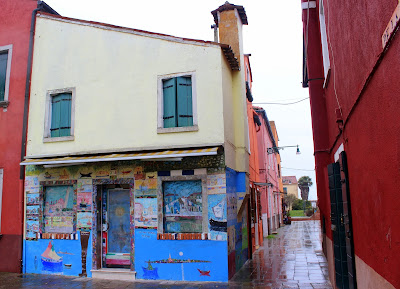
column 272, row 150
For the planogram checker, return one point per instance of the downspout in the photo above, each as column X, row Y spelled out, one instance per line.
column 25, row 124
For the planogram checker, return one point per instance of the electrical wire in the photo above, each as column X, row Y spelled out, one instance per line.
column 281, row 103
column 298, row 169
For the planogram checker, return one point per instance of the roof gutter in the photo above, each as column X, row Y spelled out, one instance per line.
column 265, row 117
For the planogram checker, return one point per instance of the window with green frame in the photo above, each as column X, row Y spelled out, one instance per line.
column 61, row 115
column 177, row 102
column 3, row 73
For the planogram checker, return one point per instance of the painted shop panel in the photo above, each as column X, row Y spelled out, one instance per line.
column 61, row 257
column 189, row 260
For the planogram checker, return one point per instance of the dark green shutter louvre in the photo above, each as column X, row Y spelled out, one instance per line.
column 65, row 117
column 169, row 99
column 3, row 76
column 55, row 115
column 61, row 115
column 184, row 99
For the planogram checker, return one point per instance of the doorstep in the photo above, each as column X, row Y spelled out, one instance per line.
column 114, row 274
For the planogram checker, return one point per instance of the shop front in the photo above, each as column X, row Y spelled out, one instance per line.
column 146, row 218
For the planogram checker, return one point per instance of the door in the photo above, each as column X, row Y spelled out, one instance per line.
column 347, row 221
column 341, row 224
column 117, row 228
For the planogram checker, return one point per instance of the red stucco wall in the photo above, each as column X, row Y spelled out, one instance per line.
column 371, row 134
column 15, row 18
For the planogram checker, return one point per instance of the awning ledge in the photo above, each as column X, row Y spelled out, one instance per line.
column 150, row 156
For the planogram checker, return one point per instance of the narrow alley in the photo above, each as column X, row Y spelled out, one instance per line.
column 291, row 259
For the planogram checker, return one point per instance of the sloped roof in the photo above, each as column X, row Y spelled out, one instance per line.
column 289, row 180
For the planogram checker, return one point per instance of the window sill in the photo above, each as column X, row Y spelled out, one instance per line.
column 4, row 103
column 57, row 139
column 178, row 129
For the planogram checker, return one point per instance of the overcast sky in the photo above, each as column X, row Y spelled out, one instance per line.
column 273, row 38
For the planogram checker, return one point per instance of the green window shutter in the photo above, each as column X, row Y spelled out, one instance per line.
column 169, row 103
column 55, row 115
column 184, row 99
column 61, row 115
column 3, row 74
column 65, row 117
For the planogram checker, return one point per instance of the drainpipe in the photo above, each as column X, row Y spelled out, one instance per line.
column 25, row 123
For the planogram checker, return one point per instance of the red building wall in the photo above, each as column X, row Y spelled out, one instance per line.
column 15, row 22
column 364, row 84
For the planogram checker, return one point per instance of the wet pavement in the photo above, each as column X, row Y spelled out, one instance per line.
column 292, row 259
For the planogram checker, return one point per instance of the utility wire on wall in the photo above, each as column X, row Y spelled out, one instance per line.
column 281, row 103
column 298, row 169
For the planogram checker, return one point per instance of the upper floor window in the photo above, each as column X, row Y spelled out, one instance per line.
column 177, row 103
column 324, row 40
column 59, row 124
column 5, row 67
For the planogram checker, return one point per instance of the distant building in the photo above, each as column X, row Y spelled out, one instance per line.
column 290, row 185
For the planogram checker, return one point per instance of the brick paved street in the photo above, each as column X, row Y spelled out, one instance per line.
column 293, row 259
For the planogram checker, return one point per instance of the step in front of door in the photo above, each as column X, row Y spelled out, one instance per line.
column 114, row 274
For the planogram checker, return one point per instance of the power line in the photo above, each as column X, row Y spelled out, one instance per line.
column 281, row 103
column 298, row 169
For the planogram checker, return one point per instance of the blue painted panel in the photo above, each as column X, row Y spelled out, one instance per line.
column 217, row 222
column 119, row 221
column 189, row 260
column 241, row 182
column 61, row 257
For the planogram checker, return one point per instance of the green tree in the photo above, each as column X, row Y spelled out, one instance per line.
column 289, row 199
column 304, row 184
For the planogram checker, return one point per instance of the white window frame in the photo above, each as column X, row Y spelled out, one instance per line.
column 47, row 120
column 160, row 104
column 7, row 48
column 1, row 192
column 324, row 41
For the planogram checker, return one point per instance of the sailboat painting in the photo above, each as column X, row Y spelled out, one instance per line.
column 52, row 263
column 217, row 217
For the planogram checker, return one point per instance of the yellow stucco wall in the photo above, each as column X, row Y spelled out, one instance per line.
column 115, row 77
column 292, row 189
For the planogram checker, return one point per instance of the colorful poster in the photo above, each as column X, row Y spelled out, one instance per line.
column 183, row 206
column 84, row 201
column 102, row 171
column 31, row 181
column 58, row 209
column 32, row 199
column 32, row 226
column 216, row 180
column 125, row 172
column 217, row 217
column 32, row 190
column 146, row 213
column 84, row 220
column 147, row 187
column 32, row 210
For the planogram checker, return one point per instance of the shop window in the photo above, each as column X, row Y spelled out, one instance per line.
column 58, row 211
column 183, row 210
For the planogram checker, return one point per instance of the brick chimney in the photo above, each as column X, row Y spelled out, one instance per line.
column 230, row 18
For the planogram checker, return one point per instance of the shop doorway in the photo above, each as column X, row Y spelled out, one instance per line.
column 115, row 227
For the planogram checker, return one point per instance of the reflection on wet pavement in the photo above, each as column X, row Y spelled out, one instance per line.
column 293, row 259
